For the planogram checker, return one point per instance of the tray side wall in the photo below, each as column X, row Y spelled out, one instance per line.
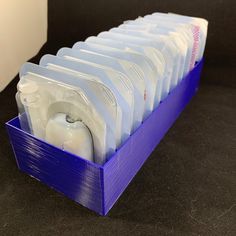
column 122, row 167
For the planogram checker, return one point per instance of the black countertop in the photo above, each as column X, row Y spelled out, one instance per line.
column 186, row 187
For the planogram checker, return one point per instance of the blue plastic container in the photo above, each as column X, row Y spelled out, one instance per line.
column 94, row 186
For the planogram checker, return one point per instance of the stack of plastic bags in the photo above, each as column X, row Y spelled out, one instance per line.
column 90, row 98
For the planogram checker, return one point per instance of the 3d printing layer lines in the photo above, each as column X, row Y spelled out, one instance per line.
column 88, row 99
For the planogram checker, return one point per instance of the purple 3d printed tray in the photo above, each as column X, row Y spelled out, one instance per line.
column 94, row 186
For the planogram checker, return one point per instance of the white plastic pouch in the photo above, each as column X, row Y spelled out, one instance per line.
column 152, row 49
column 160, row 41
column 181, row 34
column 99, row 94
column 194, row 30
column 202, row 24
column 132, row 57
column 174, row 37
column 110, row 78
column 154, row 71
column 116, row 64
column 153, row 56
column 184, row 29
column 49, row 96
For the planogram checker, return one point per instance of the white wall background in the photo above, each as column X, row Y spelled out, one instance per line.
column 23, row 31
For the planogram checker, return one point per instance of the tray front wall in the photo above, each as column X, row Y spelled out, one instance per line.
column 64, row 172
